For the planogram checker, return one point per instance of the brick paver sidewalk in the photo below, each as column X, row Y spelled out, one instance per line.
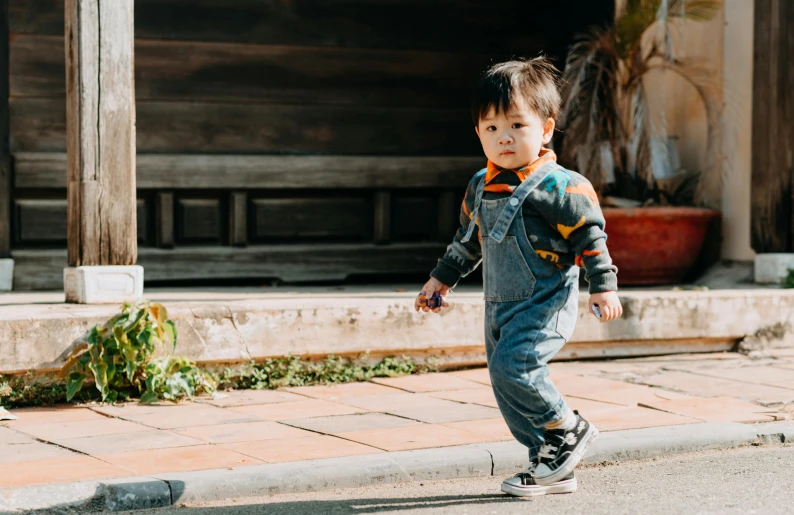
column 69, row 443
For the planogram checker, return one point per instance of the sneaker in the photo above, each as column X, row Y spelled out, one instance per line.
column 523, row 485
column 562, row 451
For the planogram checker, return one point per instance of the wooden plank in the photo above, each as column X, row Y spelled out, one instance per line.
column 164, row 220
column 142, row 220
column 160, row 171
column 382, row 217
column 198, row 220
column 418, row 24
column 5, row 156
column 414, row 218
column 265, row 74
column 287, row 219
column 40, row 221
column 448, row 215
column 43, row 269
column 238, row 218
column 38, row 125
column 100, row 133
column 773, row 128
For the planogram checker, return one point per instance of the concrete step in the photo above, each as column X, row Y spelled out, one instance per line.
column 37, row 330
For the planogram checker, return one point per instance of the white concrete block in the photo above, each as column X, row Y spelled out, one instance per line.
column 6, row 274
column 772, row 268
column 103, row 284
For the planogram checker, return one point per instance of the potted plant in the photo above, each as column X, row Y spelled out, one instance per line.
column 657, row 214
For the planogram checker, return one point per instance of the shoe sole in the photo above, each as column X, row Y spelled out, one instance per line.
column 561, row 487
column 572, row 461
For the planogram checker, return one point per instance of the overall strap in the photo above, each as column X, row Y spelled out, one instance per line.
column 513, row 206
column 476, row 211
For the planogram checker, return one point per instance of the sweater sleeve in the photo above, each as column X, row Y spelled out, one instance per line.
column 569, row 203
column 462, row 258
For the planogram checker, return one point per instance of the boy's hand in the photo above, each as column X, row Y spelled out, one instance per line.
column 609, row 304
column 432, row 286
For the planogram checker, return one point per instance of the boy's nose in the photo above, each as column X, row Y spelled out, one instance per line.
column 505, row 138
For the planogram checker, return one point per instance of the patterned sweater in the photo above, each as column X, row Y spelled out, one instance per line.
column 563, row 220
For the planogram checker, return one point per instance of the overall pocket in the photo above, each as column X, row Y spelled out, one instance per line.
column 506, row 274
column 566, row 316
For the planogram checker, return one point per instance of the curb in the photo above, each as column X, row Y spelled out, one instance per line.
column 477, row 460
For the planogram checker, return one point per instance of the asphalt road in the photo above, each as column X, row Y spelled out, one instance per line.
column 748, row 480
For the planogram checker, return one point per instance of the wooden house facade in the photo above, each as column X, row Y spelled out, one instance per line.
column 292, row 140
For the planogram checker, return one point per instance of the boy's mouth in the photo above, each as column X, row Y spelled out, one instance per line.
column 507, row 153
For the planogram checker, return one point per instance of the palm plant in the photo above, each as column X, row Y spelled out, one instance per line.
column 608, row 122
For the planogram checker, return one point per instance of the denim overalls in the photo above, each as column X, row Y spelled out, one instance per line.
column 530, row 312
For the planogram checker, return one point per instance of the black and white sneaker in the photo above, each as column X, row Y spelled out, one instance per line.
column 562, row 451
column 523, row 485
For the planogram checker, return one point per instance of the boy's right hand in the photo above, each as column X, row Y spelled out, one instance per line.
column 432, row 286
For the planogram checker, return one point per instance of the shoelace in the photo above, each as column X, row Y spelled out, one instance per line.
column 548, row 451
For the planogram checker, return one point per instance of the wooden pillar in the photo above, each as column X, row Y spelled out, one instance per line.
column 5, row 158
column 6, row 263
column 100, row 132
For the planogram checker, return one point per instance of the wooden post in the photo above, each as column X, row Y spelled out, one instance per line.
column 100, row 132
column 6, row 263
column 100, row 147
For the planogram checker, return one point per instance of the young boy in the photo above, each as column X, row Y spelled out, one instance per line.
column 532, row 224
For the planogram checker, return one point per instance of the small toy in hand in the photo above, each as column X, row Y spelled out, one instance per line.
column 597, row 311
column 436, row 301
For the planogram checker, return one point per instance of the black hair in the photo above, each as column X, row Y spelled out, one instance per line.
column 535, row 80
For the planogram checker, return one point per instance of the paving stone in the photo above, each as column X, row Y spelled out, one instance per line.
column 67, row 430
column 36, row 451
column 714, row 409
column 625, row 417
column 57, row 470
column 235, row 398
column 51, row 415
column 589, row 385
column 311, row 448
column 138, row 441
column 427, row 383
column 187, row 415
column 494, row 428
column 394, row 401
column 178, row 459
column 446, row 411
column 482, row 396
column 715, row 387
column 587, row 406
column 244, row 432
column 478, row 375
column 11, row 437
column 347, row 423
column 418, row 437
column 762, row 375
column 337, row 391
column 298, row 409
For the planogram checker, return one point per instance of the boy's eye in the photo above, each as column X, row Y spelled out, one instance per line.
column 517, row 125
column 491, row 128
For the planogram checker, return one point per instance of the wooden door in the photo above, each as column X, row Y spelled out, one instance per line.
column 773, row 127
column 299, row 141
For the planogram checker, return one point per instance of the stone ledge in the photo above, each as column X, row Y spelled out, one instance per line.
column 239, row 328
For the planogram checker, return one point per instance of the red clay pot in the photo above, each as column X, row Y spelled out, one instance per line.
column 656, row 245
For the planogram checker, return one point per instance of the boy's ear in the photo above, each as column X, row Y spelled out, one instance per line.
column 548, row 130
column 477, row 129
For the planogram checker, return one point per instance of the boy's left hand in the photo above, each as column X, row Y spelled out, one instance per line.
column 609, row 304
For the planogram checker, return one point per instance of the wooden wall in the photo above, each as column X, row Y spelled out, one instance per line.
column 773, row 127
column 327, row 127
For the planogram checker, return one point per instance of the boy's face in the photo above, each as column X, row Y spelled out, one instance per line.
column 515, row 138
